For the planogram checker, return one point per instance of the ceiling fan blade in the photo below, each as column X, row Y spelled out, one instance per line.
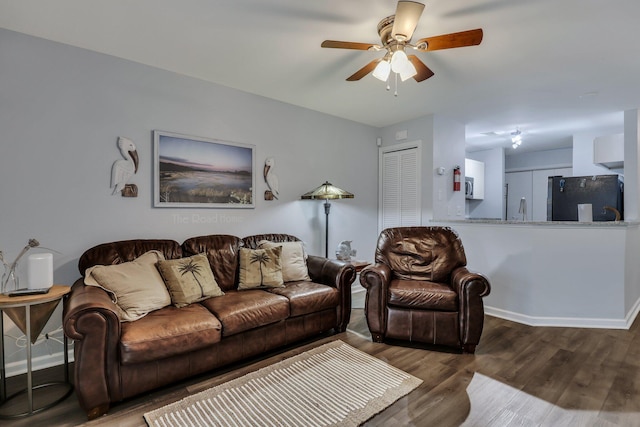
column 349, row 45
column 364, row 70
column 423, row 71
column 406, row 19
column 450, row 41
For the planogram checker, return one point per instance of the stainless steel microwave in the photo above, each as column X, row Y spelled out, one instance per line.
column 468, row 187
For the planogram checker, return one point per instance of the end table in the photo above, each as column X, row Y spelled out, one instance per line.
column 30, row 314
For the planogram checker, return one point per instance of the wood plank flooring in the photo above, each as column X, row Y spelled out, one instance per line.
column 519, row 376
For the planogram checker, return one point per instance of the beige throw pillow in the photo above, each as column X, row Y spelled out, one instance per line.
column 189, row 279
column 260, row 268
column 294, row 259
column 136, row 287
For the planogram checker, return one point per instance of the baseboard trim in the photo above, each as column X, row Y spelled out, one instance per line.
column 633, row 313
column 19, row 367
column 567, row 322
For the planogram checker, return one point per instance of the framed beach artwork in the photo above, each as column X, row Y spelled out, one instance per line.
column 201, row 172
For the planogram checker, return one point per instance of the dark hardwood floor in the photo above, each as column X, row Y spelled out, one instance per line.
column 519, row 376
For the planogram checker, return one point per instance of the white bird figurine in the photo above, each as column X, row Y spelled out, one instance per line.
column 270, row 177
column 123, row 170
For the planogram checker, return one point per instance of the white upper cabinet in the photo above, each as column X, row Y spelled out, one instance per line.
column 608, row 151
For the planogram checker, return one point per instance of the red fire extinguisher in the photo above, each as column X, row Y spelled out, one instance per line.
column 456, row 178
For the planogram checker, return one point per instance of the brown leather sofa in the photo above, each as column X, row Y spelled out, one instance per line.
column 116, row 360
column 420, row 289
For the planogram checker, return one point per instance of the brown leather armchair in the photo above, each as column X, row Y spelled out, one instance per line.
column 420, row 290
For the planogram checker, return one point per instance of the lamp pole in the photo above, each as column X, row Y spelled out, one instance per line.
column 327, row 208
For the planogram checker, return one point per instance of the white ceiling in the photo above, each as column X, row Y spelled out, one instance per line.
column 551, row 68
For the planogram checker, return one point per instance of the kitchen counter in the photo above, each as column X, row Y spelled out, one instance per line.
column 544, row 223
column 575, row 274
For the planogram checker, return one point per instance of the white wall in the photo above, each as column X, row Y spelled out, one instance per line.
column 442, row 146
column 62, row 111
column 416, row 129
column 631, row 164
column 448, row 152
column 492, row 206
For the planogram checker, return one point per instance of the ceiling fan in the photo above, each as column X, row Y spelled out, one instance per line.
column 395, row 32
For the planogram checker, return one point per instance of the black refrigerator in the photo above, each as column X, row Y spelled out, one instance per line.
column 604, row 192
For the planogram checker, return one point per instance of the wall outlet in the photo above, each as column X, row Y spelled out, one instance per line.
column 459, row 210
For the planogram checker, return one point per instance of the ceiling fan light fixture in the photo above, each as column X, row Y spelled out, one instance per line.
column 382, row 70
column 398, row 61
column 516, row 137
column 408, row 70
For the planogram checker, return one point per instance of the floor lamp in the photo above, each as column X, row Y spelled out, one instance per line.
column 327, row 192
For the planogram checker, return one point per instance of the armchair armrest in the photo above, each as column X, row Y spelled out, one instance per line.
column 91, row 320
column 336, row 274
column 375, row 279
column 470, row 283
column 471, row 288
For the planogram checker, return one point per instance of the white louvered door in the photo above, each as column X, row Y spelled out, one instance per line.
column 400, row 186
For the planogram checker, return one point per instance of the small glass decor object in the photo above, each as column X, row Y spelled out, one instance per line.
column 10, row 279
column 10, row 276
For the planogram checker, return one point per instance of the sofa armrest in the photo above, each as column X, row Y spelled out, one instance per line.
column 375, row 279
column 339, row 275
column 91, row 320
column 471, row 288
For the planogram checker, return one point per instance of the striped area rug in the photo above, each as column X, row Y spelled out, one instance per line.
column 332, row 385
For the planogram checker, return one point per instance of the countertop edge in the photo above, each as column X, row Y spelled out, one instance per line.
column 540, row 223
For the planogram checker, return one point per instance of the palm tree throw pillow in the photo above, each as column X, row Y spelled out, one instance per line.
column 294, row 260
column 260, row 268
column 189, row 279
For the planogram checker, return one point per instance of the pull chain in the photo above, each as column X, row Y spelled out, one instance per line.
column 396, row 91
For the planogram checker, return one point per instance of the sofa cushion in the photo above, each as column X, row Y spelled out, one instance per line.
column 422, row 294
column 294, row 259
column 308, row 297
column 260, row 268
column 242, row 310
column 189, row 279
column 168, row 332
column 136, row 286
column 222, row 252
column 127, row 250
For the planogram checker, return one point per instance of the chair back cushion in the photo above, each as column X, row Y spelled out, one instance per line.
column 421, row 253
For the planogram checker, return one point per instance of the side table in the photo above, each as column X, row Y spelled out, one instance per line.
column 359, row 265
column 30, row 314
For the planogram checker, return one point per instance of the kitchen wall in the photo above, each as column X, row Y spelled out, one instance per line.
column 61, row 113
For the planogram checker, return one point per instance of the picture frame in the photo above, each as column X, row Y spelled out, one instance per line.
column 197, row 172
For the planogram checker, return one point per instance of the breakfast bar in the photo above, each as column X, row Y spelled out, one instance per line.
column 557, row 273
